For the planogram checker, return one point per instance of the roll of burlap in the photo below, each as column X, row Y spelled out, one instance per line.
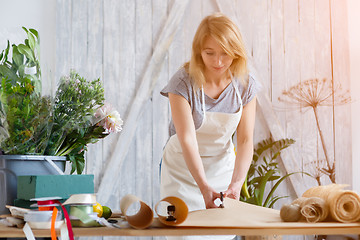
column 343, row 205
column 313, row 209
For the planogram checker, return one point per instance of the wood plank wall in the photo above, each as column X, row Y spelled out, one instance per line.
column 290, row 41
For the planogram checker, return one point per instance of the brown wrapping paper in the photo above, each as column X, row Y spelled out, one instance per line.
column 343, row 205
column 234, row 214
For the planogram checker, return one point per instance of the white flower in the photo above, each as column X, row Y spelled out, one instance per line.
column 109, row 119
column 113, row 122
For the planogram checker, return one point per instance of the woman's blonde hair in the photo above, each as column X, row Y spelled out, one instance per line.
column 226, row 33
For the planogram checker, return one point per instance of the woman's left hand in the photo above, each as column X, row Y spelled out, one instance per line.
column 233, row 192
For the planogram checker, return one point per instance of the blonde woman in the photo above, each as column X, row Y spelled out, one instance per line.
column 211, row 97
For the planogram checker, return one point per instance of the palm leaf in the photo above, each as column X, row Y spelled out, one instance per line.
column 262, row 185
column 274, row 200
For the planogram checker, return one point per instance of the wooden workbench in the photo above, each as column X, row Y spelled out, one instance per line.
column 237, row 218
column 286, row 229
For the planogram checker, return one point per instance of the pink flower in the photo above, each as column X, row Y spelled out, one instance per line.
column 109, row 119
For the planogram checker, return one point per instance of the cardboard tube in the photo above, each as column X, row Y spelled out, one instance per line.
column 181, row 211
column 143, row 218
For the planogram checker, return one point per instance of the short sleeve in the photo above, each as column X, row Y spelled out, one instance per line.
column 179, row 84
column 248, row 93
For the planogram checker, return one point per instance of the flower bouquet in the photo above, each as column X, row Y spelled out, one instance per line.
column 62, row 125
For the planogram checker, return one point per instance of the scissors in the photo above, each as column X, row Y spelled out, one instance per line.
column 222, row 200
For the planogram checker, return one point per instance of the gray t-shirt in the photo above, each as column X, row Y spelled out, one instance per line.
column 228, row 101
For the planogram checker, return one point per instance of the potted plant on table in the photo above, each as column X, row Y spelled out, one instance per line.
column 264, row 170
column 33, row 126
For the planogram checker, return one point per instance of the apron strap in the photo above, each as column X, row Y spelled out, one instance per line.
column 236, row 89
column 203, row 100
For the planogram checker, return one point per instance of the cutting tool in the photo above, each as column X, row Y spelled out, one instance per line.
column 222, row 200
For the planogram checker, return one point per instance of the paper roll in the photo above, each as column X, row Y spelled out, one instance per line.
column 143, row 218
column 344, row 205
column 83, row 198
column 180, row 214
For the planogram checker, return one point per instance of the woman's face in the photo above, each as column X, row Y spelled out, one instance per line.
column 216, row 60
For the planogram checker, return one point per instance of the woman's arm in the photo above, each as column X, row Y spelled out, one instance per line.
column 245, row 148
column 185, row 130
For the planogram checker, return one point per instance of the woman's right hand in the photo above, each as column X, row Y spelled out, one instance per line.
column 210, row 195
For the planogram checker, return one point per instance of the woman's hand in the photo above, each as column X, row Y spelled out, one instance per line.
column 245, row 132
column 210, row 195
column 233, row 191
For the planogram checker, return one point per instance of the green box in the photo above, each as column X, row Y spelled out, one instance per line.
column 62, row 186
column 24, row 203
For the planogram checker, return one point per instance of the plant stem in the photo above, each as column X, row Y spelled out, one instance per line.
column 331, row 170
column 318, row 180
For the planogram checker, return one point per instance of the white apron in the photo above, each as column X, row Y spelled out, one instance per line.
column 216, row 149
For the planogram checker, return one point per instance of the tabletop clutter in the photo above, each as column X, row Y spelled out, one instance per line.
column 65, row 201
column 52, row 202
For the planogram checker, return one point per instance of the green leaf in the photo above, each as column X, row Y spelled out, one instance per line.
column 35, row 33
column 244, row 189
column 26, row 51
column 274, row 200
column 273, row 164
column 277, row 185
column 25, row 29
column 273, row 178
column 32, row 41
column 262, row 186
column 4, row 71
column 276, row 155
column 18, row 58
column 4, row 53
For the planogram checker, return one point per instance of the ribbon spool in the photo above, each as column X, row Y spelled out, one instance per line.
column 46, row 203
column 81, row 210
column 80, row 199
column 50, row 203
column 83, row 216
column 42, row 219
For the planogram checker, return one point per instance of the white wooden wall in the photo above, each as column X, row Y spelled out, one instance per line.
column 289, row 40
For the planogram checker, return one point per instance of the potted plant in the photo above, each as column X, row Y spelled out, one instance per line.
column 264, row 171
column 33, row 126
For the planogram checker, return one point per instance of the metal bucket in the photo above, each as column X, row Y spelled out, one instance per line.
column 12, row 166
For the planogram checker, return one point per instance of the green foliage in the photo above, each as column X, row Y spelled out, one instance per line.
column 23, row 112
column 25, row 63
column 41, row 125
column 264, row 170
column 76, row 102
